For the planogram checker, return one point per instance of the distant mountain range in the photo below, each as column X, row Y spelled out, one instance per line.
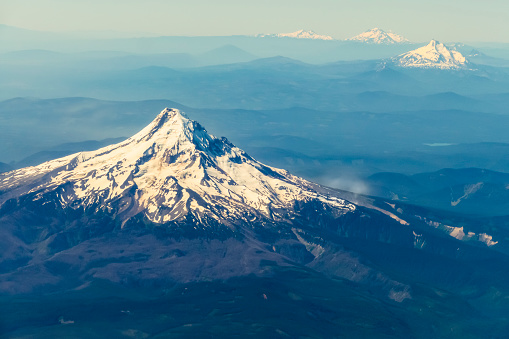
column 20, row 46
column 372, row 36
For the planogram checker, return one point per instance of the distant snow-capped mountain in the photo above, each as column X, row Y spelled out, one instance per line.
column 379, row 36
column 300, row 34
column 433, row 55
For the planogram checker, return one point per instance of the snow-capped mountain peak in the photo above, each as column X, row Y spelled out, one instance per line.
column 379, row 36
column 300, row 34
column 170, row 169
column 433, row 55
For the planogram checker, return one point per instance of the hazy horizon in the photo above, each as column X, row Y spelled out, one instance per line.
column 455, row 20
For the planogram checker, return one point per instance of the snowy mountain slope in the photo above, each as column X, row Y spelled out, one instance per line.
column 300, row 34
column 170, row 169
column 379, row 36
column 433, row 55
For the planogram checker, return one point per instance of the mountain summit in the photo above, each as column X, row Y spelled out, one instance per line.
column 300, row 34
column 379, row 36
column 433, row 55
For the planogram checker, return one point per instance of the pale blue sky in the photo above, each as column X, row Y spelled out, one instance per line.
column 447, row 20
